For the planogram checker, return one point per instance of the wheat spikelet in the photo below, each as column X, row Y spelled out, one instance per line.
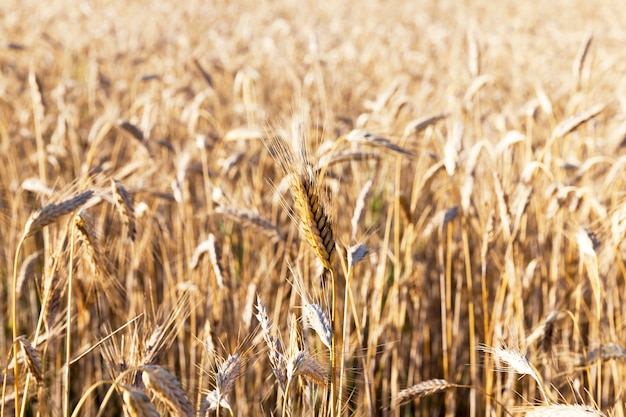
column 137, row 404
column 125, row 207
column 420, row 390
column 33, row 358
column 564, row 410
column 52, row 212
column 167, row 389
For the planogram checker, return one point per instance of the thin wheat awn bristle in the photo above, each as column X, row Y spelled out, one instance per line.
column 314, row 220
column 33, row 358
column 422, row 389
column 125, row 207
column 137, row 404
column 167, row 388
column 52, row 212
column 564, row 410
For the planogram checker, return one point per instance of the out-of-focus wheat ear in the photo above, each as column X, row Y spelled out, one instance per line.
column 611, row 351
column 51, row 213
column 125, row 207
column 215, row 256
column 167, row 389
column 544, row 334
column 420, row 390
column 356, row 253
column 561, row 410
column 253, row 220
column 87, row 235
column 360, row 206
column 473, row 54
column 579, row 62
column 53, row 292
column 137, row 404
column 26, row 271
column 314, row 219
column 33, row 358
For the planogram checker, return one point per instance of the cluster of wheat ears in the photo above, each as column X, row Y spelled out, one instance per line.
column 277, row 208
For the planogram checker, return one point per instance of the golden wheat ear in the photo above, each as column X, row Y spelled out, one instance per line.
column 309, row 207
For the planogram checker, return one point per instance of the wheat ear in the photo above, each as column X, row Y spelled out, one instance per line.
column 137, row 404
column 167, row 388
column 420, row 390
column 33, row 358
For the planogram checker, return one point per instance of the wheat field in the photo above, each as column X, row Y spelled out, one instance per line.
column 282, row 208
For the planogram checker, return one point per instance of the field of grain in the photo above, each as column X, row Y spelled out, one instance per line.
column 278, row 208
